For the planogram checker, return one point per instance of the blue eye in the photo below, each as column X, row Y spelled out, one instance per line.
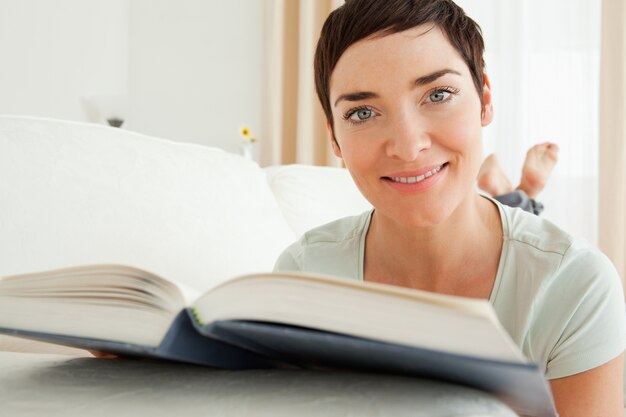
column 438, row 96
column 441, row 94
column 360, row 115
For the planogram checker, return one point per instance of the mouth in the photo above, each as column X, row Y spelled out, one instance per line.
column 405, row 179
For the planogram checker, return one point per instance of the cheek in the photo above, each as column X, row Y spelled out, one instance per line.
column 361, row 160
column 357, row 148
column 462, row 135
column 461, row 131
column 357, row 158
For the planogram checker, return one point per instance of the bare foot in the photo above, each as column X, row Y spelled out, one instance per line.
column 539, row 163
column 491, row 177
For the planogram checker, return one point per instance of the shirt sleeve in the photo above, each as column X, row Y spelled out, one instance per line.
column 587, row 313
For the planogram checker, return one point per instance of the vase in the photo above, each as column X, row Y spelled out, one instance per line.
column 246, row 150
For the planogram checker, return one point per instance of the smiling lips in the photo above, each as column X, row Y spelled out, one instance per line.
column 418, row 178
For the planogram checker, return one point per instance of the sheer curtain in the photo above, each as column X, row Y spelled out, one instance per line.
column 543, row 61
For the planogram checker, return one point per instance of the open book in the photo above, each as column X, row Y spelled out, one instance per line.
column 276, row 320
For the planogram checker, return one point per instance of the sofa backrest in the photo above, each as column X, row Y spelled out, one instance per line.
column 76, row 193
column 310, row 196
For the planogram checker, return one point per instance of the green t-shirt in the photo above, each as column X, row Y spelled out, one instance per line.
column 559, row 297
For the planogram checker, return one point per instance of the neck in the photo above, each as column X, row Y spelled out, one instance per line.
column 454, row 256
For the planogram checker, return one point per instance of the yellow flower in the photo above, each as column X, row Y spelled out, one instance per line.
column 246, row 134
column 244, row 131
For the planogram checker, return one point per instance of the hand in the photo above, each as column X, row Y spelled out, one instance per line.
column 103, row 355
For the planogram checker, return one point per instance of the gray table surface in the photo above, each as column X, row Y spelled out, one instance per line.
column 35, row 384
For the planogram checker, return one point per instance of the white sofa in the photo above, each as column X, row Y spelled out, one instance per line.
column 74, row 193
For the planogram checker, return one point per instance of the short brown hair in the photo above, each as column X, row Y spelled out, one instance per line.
column 357, row 19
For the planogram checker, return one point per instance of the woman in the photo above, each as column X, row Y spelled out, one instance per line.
column 404, row 91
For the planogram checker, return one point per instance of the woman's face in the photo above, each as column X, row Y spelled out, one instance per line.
column 407, row 118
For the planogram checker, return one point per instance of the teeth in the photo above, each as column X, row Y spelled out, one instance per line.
column 419, row 178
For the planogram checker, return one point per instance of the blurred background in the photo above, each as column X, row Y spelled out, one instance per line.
column 197, row 70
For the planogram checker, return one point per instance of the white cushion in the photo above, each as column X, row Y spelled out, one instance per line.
column 311, row 196
column 76, row 193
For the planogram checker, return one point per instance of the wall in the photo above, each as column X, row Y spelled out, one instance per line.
column 54, row 52
column 196, row 69
column 189, row 70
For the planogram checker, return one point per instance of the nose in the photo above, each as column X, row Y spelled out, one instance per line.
column 409, row 137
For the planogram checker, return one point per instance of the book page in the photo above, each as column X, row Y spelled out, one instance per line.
column 380, row 312
column 109, row 302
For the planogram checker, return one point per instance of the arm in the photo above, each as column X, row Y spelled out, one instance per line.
column 597, row 392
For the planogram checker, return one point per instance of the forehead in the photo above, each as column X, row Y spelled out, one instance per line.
column 398, row 57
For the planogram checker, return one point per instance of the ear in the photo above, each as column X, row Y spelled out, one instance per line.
column 333, row 141
column 487, row 113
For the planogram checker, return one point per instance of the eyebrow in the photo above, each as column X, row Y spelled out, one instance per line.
column 427, row 79
column 356, row 96
column 423, row 80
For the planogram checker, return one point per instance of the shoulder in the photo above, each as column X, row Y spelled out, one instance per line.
column 533, row 231
column 561, row 295
column 539, row 243
column 583, row 303
column 332, row 248
column 340, row 230
column 546, row 256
